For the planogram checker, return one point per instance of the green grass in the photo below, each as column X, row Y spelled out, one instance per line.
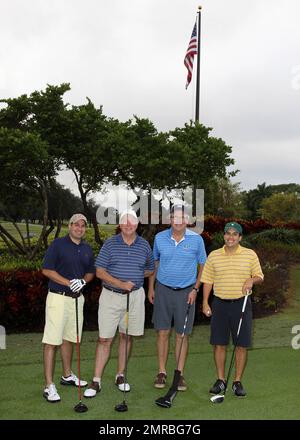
column 8, row 262
column 270, row 378
column 36, row 229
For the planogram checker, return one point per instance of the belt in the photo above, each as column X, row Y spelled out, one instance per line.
column 229, row 300
column 121, row 292
column 178, row 288
column 70, row 293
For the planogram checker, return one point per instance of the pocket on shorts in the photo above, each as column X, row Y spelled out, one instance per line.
column 53, row 300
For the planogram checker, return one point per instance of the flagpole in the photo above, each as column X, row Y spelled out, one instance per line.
column 198, row 67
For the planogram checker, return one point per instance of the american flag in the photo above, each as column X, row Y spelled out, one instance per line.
column 189, row 56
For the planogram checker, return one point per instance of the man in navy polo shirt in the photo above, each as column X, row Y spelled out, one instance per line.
column 122, row 264
column 178, row 252
column 69, row 265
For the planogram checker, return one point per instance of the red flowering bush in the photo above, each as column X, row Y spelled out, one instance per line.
column 23, row 298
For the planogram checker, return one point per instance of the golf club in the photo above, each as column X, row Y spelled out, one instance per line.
column 166, row 401
column 122, row 407
column 219, row 398
column 80, row 407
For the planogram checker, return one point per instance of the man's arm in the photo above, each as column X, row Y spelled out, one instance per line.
column 148, row 273
column 54, row 276
column 207, row 288
column 249, row 283
column 88, row 277
column 109, row 279
column 193, row 293
column 152, row 278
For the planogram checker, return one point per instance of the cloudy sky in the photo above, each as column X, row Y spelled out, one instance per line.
column 128, row 57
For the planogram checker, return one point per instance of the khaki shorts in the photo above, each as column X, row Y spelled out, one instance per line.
column 61, row 319
column 112, row 313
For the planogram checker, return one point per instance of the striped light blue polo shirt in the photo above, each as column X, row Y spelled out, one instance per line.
column 126, row 262
column 178, row 262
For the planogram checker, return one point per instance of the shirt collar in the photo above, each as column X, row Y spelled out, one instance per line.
column 238, row 250
column 68, row 238
column 119, row 238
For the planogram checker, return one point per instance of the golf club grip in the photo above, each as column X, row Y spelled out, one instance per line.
column 242, row 314
column 186, row 319
column 245, row 301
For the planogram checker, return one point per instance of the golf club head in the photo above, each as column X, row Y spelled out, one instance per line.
column 121, row 407
column 80, row 408
column 218, row 398
column 163, row 402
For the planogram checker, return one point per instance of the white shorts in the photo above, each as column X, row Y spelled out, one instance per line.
column 112, row 313
column 61, row 319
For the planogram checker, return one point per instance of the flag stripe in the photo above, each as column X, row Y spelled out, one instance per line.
column 190, row 54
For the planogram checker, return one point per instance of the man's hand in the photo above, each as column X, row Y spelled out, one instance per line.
column 77, row 284
column 206, row 309
column 127, row 285
column 192, row 297
column 247, row 287
column 151, row 294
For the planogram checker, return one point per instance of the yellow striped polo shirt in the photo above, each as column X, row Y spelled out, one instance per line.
column 228, row 273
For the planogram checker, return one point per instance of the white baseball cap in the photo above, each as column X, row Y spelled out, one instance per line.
column 130, row 212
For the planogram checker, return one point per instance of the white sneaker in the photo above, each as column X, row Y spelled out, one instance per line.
column 93, row 389
column 72, row 380
column 119, row 381
column 50, row 393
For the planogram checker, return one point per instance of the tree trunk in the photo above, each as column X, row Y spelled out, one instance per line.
column 9, row 247
column 45, row 219
column 58, row 228
column 13, row 240
column 91, row 215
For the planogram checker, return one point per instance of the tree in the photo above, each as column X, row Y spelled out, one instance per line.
column 88, row 152
column 281, row 207
column 224, row 198
column 75, row 136
column 253, row 199
column 25, row 166
column 186, row 156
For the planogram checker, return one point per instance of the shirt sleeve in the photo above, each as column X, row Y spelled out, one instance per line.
column 256, row 268
column 208, row 272
column 150, row 259
column 156, row 254
column 103, row 257
column 50, row 258
column 201, row 256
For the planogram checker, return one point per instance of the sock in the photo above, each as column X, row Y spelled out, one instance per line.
column 97, row 379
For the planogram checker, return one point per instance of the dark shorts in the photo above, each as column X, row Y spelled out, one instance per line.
column 225, row 320
column 172, row 304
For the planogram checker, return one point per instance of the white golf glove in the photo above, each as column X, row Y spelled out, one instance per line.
column 77, row 284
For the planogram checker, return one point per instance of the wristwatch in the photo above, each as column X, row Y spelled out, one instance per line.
column 195, row 288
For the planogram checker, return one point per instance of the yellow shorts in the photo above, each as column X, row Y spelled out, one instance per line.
column 112, row 313
column 61, row 319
